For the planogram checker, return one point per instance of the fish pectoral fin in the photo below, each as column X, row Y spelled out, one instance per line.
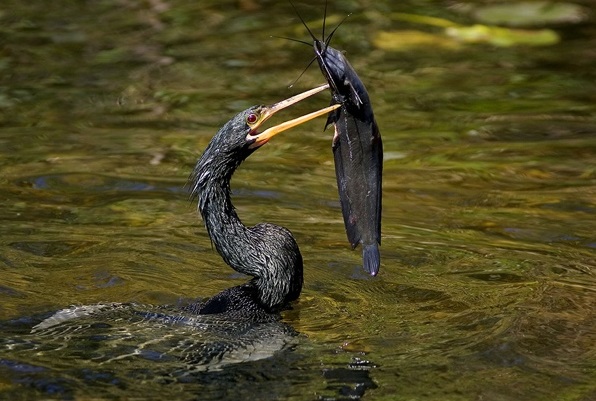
column 332, row 119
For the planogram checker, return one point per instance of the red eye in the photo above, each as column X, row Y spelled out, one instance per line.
column 252, row 118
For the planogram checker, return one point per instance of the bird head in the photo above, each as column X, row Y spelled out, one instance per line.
column 241, row 136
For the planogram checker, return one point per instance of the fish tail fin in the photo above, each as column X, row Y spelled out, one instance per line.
column 371, row 258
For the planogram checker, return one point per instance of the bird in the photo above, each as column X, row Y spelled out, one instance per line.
column 266, row 252
column 239, row 324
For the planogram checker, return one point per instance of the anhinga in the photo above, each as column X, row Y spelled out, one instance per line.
column 266, row 252
column 240, row 323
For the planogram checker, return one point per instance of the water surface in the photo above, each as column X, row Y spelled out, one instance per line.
column 486, row 289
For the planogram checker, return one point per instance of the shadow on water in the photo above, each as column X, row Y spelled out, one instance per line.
column 486, row 289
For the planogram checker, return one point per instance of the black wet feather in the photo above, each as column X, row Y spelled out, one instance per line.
column 267, row 252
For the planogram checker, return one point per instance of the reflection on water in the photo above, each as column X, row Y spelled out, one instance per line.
column 105, row 333
column 78, row 350
column 487, row 286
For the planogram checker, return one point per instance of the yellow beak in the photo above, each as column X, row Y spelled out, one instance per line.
column 268, row 111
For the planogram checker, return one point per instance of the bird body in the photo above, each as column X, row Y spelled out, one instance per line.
column 239, row 324
column 267, row 252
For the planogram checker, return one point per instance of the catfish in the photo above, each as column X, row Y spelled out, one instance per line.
column 357, row 150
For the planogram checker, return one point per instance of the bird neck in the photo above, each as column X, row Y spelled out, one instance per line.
column 264, row 252
column 226, row 230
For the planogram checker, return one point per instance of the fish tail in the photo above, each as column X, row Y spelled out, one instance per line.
column 371, row 258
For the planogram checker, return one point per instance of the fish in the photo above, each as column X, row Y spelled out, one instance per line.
column 357, row 150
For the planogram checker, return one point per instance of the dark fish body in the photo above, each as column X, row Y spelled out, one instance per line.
column 358, row 154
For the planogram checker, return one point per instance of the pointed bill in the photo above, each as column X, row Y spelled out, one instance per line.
column 268, row 111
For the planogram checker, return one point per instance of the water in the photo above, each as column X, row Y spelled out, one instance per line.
column 486, row 289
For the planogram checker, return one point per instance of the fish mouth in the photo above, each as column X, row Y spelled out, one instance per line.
column 258, row 139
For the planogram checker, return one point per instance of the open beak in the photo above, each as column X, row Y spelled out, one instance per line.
column 268, row 111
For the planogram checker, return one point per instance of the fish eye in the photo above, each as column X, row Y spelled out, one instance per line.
column 252, row 118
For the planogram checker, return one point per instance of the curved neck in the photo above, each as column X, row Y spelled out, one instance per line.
column 211, row 186
column 275, row 264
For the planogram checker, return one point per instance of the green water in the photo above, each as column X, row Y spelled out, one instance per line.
column 486, row 289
